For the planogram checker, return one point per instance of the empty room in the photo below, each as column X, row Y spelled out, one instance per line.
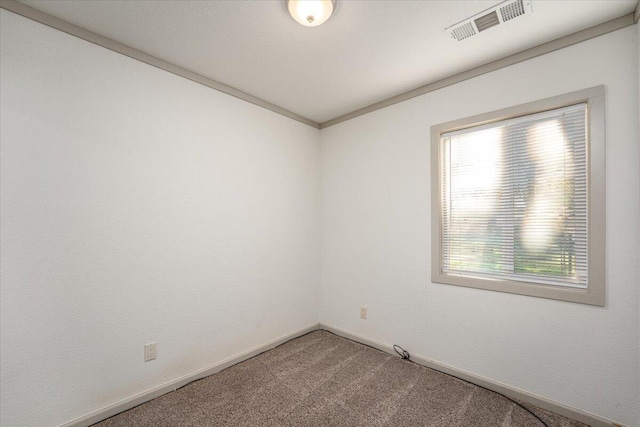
column 319, row 213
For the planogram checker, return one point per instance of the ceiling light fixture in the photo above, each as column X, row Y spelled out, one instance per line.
column 311, row 13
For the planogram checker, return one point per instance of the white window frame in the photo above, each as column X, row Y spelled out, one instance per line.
column 594, row 294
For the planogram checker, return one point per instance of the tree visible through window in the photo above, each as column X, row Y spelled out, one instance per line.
column 515, row 202
column 514, row 198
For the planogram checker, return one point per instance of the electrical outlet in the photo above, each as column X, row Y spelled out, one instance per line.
column 363, row 312
column 150, row 351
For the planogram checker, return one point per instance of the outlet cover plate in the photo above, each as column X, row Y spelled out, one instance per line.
column 150, row 351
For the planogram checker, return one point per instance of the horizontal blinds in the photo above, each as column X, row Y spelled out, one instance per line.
column 514, row 199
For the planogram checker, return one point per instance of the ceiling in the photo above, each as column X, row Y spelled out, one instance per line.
column 367, row 52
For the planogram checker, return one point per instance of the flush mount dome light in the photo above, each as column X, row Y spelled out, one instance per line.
column 311, row 13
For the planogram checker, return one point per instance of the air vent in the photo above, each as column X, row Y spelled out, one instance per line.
column 499, row 14
column 512, row 10
column 463, row 31
column 487, row 21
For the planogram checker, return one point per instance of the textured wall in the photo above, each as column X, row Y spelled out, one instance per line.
column 638, row 261
column 376, row 219
column 138, row 206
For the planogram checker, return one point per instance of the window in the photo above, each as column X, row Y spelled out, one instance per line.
column 518, row 199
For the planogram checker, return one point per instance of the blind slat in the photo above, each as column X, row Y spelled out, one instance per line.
column 514, row 199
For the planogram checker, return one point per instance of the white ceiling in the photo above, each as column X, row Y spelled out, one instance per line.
column 367, row 52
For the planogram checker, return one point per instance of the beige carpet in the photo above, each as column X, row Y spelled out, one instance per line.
column 321, row 379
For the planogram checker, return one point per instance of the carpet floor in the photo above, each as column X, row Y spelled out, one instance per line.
column 321, row 379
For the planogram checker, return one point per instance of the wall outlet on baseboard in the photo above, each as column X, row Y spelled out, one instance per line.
column 150, row 351
column 363, row 312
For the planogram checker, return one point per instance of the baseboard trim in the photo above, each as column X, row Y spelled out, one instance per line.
column 507, row 390
column 170, row 386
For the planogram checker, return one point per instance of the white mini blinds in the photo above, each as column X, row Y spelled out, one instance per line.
column 514, row 199
column 518, row 199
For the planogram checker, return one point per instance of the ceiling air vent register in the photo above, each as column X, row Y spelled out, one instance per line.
column 503, row 12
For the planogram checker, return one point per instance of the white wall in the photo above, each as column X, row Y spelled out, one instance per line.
column 638, row 261
column 375, row 250
column 138, row 206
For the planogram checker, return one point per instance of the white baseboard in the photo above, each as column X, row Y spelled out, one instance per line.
column 507, row 390
column 158, row 391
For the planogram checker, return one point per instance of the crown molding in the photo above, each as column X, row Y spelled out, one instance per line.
column 74, row 30
column 82, row 33
column 571, row 39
